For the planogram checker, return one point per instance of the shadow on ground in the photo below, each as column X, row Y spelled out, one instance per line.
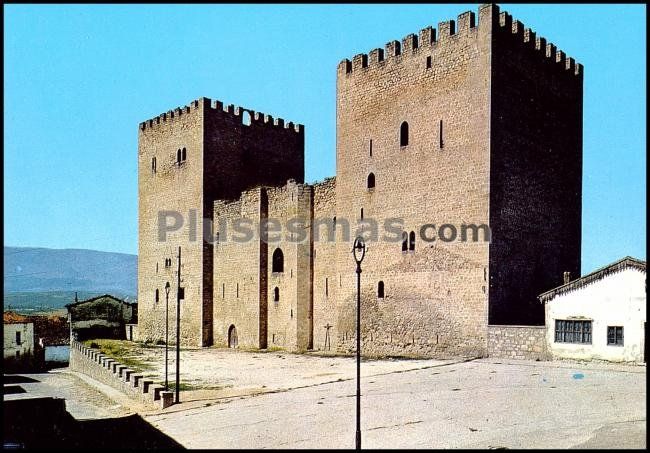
column 44, row 423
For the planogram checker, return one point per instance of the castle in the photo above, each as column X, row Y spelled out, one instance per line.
column 478, row 122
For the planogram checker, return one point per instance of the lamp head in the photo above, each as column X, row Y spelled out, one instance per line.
column 359, row 249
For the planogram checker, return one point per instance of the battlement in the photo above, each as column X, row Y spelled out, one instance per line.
column 430, row 39
column 528, row 39
column 242, row 115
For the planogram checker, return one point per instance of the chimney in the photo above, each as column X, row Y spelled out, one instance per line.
column 567, row 277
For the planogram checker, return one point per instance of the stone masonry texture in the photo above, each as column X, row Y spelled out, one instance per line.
column 493, row 115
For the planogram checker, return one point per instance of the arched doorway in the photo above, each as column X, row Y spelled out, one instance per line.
column 232, row 337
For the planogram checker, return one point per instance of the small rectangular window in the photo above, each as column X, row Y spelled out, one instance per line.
column 615, row 335
column 18, row 338
column 429, row 62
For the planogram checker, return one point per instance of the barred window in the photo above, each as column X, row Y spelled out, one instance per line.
column 615, row 335
column 570, row 331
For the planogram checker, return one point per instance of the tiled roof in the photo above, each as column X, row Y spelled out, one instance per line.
column 10, row 317
column 599, row 274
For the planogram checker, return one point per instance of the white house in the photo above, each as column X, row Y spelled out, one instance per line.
column 601, row 315
column 18, row 336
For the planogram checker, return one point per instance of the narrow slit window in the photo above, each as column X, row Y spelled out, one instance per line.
column 157, row 296
column 178, row 156
column 326, row 288
column 404, row 134
column 237, row 290
column 442, row 142
column 223, row 290
column 405, row 244
column 361, row 213
column 412, row 241
column 429, row 62
column 184, row 155
column 276, row 294
column 380, row 290
column 153, row 165
column 370, row 147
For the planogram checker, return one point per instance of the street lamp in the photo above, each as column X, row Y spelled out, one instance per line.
column 178, row 328
column 359, row 251
column 167, row 288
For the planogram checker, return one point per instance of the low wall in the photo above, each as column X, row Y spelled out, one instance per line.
column 517, row 342
column 112, row 373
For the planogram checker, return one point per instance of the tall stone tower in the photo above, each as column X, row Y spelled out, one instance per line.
column 188, row 158
column 472, row 124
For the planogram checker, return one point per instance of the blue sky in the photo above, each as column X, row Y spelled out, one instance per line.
column 79, row 79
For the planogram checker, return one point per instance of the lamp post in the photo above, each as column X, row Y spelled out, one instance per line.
column 178, row 328
column 167, row 288
column 359, row 251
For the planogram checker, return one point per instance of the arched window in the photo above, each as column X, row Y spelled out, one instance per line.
column 371, row 181
column 184, row 155
column 404, row 134
column 380, row 290
column 412, row 241
column 178, row 156
column 405, row 244
column 278, row 261
column 276, row 294
column 157, row 296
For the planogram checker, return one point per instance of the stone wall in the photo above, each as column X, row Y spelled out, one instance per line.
column 535, row 171
column 517, row 342
column 438, row 83
column 109, row 371
column 223, row 147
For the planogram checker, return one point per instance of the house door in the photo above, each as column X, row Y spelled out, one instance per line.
column 232, row 337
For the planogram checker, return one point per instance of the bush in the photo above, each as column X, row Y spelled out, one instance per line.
column 160, row 342
column 94, row 345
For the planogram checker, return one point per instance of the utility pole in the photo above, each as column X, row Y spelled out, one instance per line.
column 178, row 327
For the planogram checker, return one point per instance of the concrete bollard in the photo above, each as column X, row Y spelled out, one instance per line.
column 109, row 364
column 126, row 374
column 114, row 366
column 146, row 383
column 155, row 391
column 136, row 379
column 166, row 399
column 119, row 370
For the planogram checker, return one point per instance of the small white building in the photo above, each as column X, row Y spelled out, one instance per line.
column 18, row 336
column 600, row 316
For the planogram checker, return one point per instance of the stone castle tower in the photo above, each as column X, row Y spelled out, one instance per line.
column 476, row 123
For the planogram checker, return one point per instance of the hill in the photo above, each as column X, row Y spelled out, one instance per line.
column 42, row 277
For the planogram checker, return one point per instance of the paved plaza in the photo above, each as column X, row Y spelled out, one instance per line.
column 243, row 399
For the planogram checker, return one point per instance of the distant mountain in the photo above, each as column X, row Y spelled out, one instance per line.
column 42, row 270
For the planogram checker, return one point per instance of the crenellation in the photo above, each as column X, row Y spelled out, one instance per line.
column 410, row 43
column 393, row 48
column 540, row 45
column 446, row 29
column 427, row 36
column 466, row 21
column 560, row 57
column 505, row 20
column 359, row 61
column 376, row 56
column 530, row 39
